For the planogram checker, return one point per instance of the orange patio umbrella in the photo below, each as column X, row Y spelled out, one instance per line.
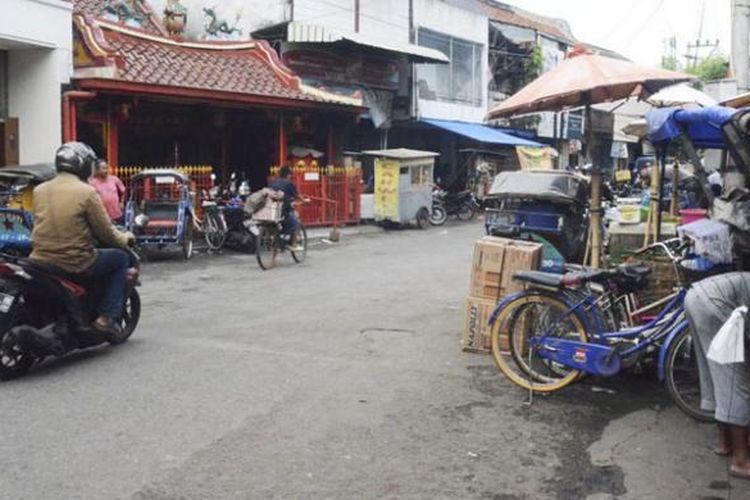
column 584, row 79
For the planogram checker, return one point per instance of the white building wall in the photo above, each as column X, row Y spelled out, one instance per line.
column 386, row 19
column 461, row 20
column 38, row 37
column 247, row 15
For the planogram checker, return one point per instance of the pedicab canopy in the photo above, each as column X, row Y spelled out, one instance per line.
column 702, row 126
column 552, row 185
column 33, row 173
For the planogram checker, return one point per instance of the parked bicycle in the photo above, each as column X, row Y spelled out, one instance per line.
column 213, row 224
column 567, row 326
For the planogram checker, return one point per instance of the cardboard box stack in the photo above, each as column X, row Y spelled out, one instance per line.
column 495, row 261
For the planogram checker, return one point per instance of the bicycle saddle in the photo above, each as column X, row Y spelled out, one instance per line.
column 539, row 278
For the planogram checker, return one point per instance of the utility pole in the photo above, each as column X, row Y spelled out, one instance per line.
column 740, row 43
column 356, row 16
column 693, row 55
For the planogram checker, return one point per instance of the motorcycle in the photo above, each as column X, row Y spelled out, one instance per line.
column 463, row 205
column 47, row 312
column 241, row 230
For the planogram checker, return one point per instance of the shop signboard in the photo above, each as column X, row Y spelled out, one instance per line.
column 386, row 189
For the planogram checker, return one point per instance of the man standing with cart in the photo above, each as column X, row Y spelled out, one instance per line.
column 725, row 388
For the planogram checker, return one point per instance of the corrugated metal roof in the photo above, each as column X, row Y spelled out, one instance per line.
column 313, row 33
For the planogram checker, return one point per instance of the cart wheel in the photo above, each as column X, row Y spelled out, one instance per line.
column 423, row 218
column 187, row 239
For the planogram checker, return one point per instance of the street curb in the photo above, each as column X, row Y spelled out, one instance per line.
column 317, row 235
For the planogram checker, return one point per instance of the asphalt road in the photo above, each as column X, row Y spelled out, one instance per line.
column 340, row 378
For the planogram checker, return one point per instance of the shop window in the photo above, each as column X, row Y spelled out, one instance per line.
column 459, row 81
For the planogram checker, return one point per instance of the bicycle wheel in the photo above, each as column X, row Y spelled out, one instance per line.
column 267, row 247
column 681, row 377
column 301, row 241
column 519, row 321
column 213, row 230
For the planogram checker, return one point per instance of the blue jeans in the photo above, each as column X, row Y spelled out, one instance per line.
column 290, row 224
column 111, row 270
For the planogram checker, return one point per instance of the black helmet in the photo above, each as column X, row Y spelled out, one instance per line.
column 76, row 158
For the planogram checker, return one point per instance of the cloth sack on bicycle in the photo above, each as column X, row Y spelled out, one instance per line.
column 257, row 200
column 728, row 346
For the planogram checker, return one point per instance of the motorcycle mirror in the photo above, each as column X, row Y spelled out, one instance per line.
column 141, row 221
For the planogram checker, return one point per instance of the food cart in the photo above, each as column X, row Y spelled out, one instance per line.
column 403, row 185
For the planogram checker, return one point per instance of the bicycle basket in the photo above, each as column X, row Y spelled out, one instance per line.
column 271, row 212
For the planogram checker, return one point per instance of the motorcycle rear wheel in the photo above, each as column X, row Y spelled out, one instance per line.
column 466, row 212
column 438, row 215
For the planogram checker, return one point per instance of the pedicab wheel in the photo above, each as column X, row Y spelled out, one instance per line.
column 267, row 249
column 302, row 241
column 516, row 357
column 423, row 218
column 187, row 238
column 14, row 361
column 131, row 314
column 438, row 215
column 682, row 378
column 466, row 212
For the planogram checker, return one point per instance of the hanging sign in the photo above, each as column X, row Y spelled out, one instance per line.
column 386, row 189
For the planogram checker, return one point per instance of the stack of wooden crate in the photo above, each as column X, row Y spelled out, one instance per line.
column 495, row 260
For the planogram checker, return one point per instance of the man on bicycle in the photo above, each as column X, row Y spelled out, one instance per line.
column 289, row 224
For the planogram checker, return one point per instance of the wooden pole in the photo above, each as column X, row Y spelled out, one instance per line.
column 596, row 217
column 651, row 225
column 594, row 243
column 674, row 206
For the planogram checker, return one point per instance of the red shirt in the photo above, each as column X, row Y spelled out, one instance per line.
column 110, row 190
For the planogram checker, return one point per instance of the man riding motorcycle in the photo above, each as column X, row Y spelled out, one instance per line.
column 69, row 219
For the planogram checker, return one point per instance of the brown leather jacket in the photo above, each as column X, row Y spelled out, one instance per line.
column 68, row 218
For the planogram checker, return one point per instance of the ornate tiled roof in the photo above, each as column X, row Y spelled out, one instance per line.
column 229, row 71
column 96, row 8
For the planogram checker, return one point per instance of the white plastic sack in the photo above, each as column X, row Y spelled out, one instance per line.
column 729, row 344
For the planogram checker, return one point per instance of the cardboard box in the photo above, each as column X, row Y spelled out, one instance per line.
column 477, row 331
column 495, row 260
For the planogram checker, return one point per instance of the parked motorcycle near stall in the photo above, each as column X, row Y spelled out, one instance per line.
column 462, row 205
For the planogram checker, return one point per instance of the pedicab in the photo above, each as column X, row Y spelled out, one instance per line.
column 16, row 192
column 403, row 186
column 160, row 200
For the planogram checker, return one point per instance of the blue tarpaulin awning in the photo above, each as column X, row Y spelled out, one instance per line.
column 703, row 126
column 481, row 133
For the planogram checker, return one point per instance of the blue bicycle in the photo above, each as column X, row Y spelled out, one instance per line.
column 565, row 326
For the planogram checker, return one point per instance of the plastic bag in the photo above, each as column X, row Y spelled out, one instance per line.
column 729, row 344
